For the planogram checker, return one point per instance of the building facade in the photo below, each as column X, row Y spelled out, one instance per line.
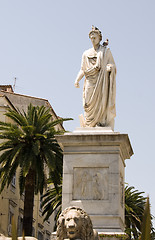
column 11, row 203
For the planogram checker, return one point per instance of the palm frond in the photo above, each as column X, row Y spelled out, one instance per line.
column 52, row 201
column 134, row 208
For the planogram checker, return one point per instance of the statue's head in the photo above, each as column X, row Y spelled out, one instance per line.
column 95, row 31
column 74, row 223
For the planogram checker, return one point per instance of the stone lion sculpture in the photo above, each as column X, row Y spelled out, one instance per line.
column 74, row 223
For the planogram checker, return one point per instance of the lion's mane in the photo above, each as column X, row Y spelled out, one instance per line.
column 86, row 231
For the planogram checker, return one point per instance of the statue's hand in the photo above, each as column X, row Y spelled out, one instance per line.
column 77, row 85
column 109, row 67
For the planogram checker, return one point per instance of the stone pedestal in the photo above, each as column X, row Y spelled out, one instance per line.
column 93, row 175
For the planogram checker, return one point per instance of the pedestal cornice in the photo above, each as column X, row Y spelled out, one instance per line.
column 70, row 141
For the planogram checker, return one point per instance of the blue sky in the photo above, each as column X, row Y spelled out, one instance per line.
column 42, row 42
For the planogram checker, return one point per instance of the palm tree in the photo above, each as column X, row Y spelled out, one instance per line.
column 29, row 143
column 134, row 210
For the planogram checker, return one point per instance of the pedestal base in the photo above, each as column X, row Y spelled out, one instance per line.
column 103, row 236
column 93, row 175
column 112, row 236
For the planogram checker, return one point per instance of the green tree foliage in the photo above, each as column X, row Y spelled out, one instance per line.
column 134, row 209
column 29, row 143
column 52, row 202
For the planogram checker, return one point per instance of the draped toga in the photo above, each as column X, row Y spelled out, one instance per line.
column 99, row 90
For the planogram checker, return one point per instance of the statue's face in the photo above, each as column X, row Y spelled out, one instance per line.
column 73, row 224
column 95, row 38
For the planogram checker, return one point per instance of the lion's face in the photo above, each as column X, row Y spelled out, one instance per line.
column 73, row 224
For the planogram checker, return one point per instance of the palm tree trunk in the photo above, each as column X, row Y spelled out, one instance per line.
column 28, row 203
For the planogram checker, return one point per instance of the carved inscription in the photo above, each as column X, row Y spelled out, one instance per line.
column 90, row 183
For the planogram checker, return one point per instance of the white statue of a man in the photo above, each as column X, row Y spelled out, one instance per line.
column 99, row 90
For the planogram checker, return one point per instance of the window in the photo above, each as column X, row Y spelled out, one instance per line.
column 22, row 196
column 13, row 182
column 11, row 214
column 40, row 208
column 11, row 211
column 48, row 235
column 33, row 232
column 40, row 236
column 20, row 226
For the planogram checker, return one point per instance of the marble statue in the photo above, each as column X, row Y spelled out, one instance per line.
column 99, row 90
column 74, row 223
